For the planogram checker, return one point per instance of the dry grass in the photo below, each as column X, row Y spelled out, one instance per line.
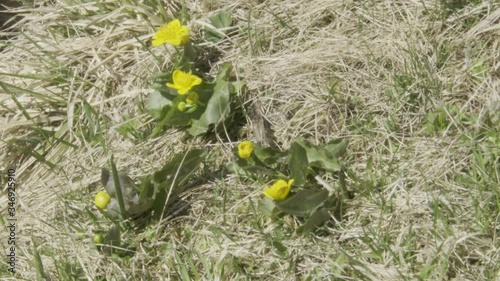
column 427, row 194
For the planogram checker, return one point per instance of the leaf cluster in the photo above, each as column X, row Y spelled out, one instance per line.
column 313, row 202
column 153, row 197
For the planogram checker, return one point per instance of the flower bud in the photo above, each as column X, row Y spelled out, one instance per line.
column 192, row 98
column 182, row 106
column 98, row 239
column 102, row 199
column 279, row 190
column 245, row 149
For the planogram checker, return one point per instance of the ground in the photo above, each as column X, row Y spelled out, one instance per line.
column 414, row 86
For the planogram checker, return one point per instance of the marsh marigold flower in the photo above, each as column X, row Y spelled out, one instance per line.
column 279, row 190
column 173, row 33
column 102, row 199
column 245, row 149
column 184, row 81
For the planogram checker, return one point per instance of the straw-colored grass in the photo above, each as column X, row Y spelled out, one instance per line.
column 427, row 197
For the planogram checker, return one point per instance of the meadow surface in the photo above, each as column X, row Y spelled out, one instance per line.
column 414, row 86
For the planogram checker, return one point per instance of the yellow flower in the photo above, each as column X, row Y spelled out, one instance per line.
column 192, row 98
column 184, row 81
column 172, row 33
column 245, row 149
column 279, row 190
column 102, row 199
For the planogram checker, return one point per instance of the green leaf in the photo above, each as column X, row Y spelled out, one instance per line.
column 336, row 148
column 159, row 203
column 144, row 201
column 219, row 21
column 267, row 207
column 42, row 275
column 147, row 191
column 318, row 218
column 236, row 87
column 171, row 116
column 298, row 164
column 303, row 203
column 118, row 189
column 325, row 157
column 156, row 103
column 205, row 91
column 112, row 239
column 113, row 236
column 258, row 170
column 127, row 185
column 268, row 156
column 180, row 168
column 218, row 105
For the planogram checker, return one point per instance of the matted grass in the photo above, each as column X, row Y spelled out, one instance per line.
column 413, row 85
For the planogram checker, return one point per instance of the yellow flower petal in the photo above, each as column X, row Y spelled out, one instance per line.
column 279, row 190
column 183, row 81
column 268, row 192
column 173, row 33
column 245, row 149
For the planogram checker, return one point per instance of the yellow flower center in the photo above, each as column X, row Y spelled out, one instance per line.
column 184, row 81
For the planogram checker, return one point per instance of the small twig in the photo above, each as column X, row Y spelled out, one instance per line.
column 326, row 185
column 331, row 189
